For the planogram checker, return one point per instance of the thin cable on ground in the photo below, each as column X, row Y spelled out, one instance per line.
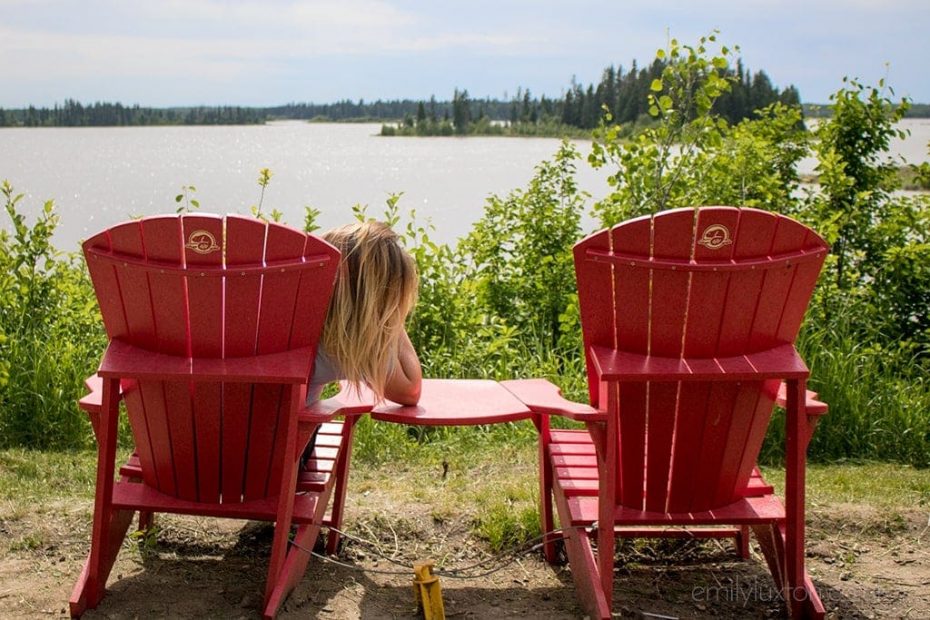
column 505, row 559
column 326, row 558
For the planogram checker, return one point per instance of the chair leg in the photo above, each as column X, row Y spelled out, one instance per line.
column 772, row 544
column 342, row 480
column 296, row 557
column 284, row 517
column 583, row 564
column 742, row 542
column 546, row 518
column 146, row 520
column 803, row 601
column 109, row 526
column 295, row 565
column 606, row 543
column 90, row 587
column 799, row 590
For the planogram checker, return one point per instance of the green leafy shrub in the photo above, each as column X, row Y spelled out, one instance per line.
column 520, row 253
column 690, row 155
column 53, row 334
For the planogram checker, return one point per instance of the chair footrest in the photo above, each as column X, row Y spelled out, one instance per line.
column 574, row 463
column 317, row 473
column 678, row 532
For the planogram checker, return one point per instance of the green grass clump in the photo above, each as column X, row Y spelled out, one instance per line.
column 27, row 475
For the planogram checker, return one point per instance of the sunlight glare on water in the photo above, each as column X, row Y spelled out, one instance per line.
column 101, row 176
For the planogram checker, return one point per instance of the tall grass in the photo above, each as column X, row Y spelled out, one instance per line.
column 879, row 399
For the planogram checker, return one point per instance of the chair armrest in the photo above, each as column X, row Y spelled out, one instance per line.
column 123, row 360
column 812, row 406
column 543, row 397
column 349, row 401
column 781, row 362
column 92, row 402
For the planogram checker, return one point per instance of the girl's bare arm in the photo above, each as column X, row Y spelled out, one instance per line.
column 406, row 380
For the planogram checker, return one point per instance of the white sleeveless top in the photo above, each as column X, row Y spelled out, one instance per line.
column 325, row 371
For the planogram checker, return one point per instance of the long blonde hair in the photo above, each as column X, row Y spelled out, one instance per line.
column 376, row 288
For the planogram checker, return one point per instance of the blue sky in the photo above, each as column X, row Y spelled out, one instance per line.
column 252, row 52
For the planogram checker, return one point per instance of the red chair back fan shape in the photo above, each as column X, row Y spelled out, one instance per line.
column 689, row 319
column 213, row 325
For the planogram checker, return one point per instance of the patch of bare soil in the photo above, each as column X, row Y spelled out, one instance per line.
column 865, row 565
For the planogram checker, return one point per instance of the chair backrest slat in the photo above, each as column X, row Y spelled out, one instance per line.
column 279, row 290
column 630, row 330
column 162, row 238
column 630, row 311
column 703, row 408
column 134, row 291
column 699, row 283
column 277, row 315
column 170, row 401
column 733, row 411
column 203, row 238
column 671, row 239
column 245, row 245
column 150, row 431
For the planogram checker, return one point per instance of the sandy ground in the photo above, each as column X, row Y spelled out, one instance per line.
column 864, row 563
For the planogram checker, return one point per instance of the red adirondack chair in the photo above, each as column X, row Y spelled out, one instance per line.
column 213, row 325
column 689, row 319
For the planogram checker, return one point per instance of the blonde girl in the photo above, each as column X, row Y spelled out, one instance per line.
column 364, row 340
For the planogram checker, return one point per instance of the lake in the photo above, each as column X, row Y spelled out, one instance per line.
column 100, row 176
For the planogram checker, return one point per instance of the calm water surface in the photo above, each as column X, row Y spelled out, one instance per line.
column 100, row 176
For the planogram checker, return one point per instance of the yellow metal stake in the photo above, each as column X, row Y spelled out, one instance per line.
column 427, row 591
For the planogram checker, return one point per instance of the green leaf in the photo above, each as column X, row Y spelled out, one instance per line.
column 660, row 54
column 656, row 85
column 653, row 110
column 179, row 198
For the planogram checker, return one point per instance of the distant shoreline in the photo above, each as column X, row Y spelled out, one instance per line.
column 575, row 114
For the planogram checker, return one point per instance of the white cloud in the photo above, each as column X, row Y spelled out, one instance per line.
column 229, row 40
column 49, row 56
column 47, row 46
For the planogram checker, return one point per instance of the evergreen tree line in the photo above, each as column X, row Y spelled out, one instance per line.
column 74, row 114
column 621, row 92
column 624, row 95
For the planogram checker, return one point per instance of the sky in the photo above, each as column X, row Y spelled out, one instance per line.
column 267, row 52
